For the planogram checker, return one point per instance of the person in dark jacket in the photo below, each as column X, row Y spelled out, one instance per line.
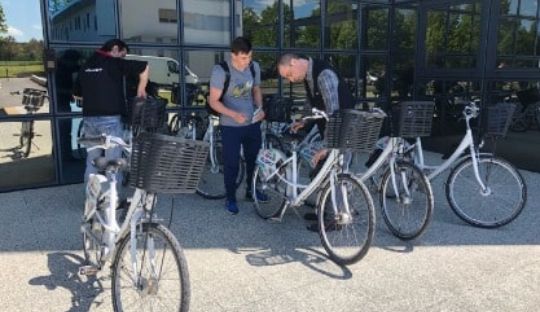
column 101, row 86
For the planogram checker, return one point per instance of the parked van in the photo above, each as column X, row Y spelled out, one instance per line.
column 165, row 70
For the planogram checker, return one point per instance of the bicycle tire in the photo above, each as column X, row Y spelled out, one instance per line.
column 275, row 191
column 211, row 185
column 330, row 224
column 511, row 186
column 145, row 288
column 25, row 140
column 519, row 120
column 413, row 208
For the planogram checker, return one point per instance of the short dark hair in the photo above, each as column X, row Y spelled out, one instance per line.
column 241, row 45
column 109, row 45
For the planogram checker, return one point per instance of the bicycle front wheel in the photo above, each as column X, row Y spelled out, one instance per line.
column 158, row 280
column 346, row 225
column 274, row 190
column 407, row 206
column 500, row 203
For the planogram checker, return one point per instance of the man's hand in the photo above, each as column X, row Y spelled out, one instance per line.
column 318, row 156
column 239, row 118
column 260, row 116
column 297, row 125
column 141, row 92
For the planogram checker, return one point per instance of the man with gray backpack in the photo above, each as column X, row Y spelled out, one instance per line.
column 235, row 95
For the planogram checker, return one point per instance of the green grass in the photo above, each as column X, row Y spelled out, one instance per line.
column 20, row 68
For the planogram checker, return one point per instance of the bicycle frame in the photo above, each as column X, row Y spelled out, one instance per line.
column 138, row 212
column 295, row 199
column 466, row 142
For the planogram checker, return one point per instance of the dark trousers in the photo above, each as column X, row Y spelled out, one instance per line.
column 249, row 137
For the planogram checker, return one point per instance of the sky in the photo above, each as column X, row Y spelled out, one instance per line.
column 23, row 18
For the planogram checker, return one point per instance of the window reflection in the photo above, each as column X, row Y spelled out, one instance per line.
column 260, row 22
column 374, row 27
column 165, row 71
column 149, row 21
column 373, row 75
column 302, row 23
column 200, row 63
column 341, row 17
column 82, row 20
column 68, row 64
column 453, row 36
column 26, row 153
column 72, row 154
column 21, row 64
column 207, row 21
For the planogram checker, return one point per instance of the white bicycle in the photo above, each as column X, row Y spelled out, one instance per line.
column 149, row 270
column 482, row 189
column 345, row 208
column 405, row 192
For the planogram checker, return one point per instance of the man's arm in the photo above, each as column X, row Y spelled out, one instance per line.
column 328, row 85
column 215, row 103
column 143, row 81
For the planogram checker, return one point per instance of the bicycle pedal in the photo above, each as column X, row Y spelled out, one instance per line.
column 88, row 270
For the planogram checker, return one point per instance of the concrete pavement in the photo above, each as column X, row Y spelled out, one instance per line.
column 242, row 263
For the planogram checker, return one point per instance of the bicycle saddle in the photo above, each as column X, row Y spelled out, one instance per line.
column 102, row 163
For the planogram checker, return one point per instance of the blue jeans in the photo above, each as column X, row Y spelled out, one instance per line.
column 95, row 126
column 249, row 137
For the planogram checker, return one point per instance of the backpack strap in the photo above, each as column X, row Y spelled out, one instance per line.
column 225, row 67
column 227, row 81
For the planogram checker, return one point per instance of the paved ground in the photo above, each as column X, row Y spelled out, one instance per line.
column 241, row 263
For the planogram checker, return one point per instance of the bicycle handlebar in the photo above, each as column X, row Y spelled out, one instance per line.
column 471, row 110
column 317, row 114
column 103, row 142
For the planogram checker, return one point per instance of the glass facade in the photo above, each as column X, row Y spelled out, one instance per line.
column 387, row 51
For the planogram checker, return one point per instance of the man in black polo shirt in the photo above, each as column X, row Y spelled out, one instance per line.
column 101, row 85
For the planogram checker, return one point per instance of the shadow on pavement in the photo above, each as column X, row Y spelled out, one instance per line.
column 64, row 269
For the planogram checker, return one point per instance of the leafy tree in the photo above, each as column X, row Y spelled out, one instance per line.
column 3, row 25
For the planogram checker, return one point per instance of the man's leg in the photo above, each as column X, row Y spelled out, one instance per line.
column 252, row 144
column 230, row 137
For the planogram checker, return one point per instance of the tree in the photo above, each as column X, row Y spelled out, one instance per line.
column 3, row 25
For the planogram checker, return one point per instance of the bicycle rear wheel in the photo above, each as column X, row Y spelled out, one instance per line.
column 161, row 280
column 274, row 189
column 499, row 204
column 408, row 214
column 346, row 234
column 212, row 183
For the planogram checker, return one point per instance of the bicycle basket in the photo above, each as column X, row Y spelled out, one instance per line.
column 148, row 113
column 415, row 118
column 276, row 108
column 499, row 118
column 33, row 99
column 167, row 164
column 354, row 129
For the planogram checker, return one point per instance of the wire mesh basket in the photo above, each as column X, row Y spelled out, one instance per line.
column 33, row 99
column 415, row 118
column 148, row 113
column 277, row 109
column 499, row 118
column 167, row 164
column 354, row 129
